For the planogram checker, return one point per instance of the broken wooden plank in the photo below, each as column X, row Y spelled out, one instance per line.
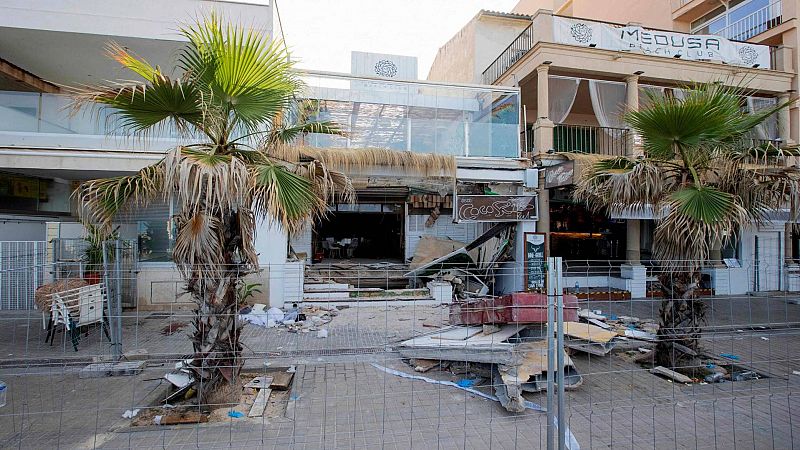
column 183, row 418
column 281, row 380
column 259, row 382
column 671, row 374
column 588, row 332
column 260, row 403
column 424, row 365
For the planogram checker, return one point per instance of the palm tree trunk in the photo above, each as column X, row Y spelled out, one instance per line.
column 217, row 351
column 680, row 319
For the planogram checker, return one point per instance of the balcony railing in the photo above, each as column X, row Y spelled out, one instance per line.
column 513, row 53
column 756, row 23
column 590, row 139
column 420, row 116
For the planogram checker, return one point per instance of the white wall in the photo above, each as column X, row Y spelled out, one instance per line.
column 21, row 229
column 150, row 19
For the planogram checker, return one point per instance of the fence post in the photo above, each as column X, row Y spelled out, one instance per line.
column 555, row 352
column 118, row 299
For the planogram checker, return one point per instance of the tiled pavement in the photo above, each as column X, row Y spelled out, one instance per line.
column 340, row 401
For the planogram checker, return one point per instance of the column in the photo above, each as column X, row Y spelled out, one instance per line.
column 543, row 141
column 543, row 128
column 784, row 118
column 633, row 250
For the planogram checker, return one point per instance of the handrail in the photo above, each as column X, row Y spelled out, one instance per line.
column 521, row 45
column 754, row 24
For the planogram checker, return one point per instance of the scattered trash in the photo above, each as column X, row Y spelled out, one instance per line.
column 291, row 369
column 157, row 420
column 671, row 374
column 796, row 372
column 323, row 333
column 729, row 356
column 744, row 376
column 179, row 379
column 235, row 414
column 716, row 377
column 424, row 365
column 572, row 443
column 275, row 314
column 764, row 338
column 130, row 414
column 464, row 382
column 645, row 349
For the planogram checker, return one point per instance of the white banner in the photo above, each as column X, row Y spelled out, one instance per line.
column 697, row 47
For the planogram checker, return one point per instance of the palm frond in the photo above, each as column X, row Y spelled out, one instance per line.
column 102, row 199
column 284, row 197
column 145, row 108
column 198, row 251
column 206, row 181
column 240, row 72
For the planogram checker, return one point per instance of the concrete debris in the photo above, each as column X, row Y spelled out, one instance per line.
column 587, row 314
column 119, row 369
column 513, row 356
column 671, row 374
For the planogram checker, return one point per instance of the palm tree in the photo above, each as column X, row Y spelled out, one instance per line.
column 236, row 95
column 705, row 180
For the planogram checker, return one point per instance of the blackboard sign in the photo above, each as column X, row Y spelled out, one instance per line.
column 535, row 259
column 495, row 208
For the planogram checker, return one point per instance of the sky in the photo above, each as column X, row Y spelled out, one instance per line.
column 321, row 33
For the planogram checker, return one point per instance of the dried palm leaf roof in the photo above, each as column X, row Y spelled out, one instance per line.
column 347, row 159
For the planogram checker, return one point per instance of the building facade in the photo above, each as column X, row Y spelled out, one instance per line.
column 581, row 64
column 46, row 151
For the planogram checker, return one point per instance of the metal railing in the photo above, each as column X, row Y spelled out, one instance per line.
column 756, row 23
column 590, row 139
column 513, row 53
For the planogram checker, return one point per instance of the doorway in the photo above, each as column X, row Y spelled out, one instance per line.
column 767, row 261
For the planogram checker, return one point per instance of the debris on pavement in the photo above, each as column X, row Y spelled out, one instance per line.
column 130, row 413
column 514, row 356
column 671, row 374
column 589, row 338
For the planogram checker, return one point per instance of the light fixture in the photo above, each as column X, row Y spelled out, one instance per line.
column 551, row 151
column 638, row 72
column 755, row 66
column 592, row 45
column 547, row 63
column 677, row 56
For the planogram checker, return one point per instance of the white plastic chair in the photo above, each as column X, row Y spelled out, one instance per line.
column 75, row 308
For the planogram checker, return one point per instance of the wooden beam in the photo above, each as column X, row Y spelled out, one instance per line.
column 26, row 78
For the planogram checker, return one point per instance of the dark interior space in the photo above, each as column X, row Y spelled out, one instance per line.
column 368, row 235
column 577, row 233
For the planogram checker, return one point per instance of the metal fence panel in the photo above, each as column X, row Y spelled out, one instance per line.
column 23, row 268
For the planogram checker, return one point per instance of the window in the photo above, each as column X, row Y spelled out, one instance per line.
column 715, row 21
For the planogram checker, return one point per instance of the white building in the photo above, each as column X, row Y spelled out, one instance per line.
column 45, row 153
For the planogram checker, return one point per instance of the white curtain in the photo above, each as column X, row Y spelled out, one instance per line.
column 646, row 92
column 562, row 92
column 608, row 102
column 768, row 129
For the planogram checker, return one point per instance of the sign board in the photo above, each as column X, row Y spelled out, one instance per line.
column 667, row 44
column 381, row 65
column 535, row 258
column 495, row 208
column 559, row 175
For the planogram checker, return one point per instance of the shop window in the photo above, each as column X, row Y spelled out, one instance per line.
column 149, row 226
